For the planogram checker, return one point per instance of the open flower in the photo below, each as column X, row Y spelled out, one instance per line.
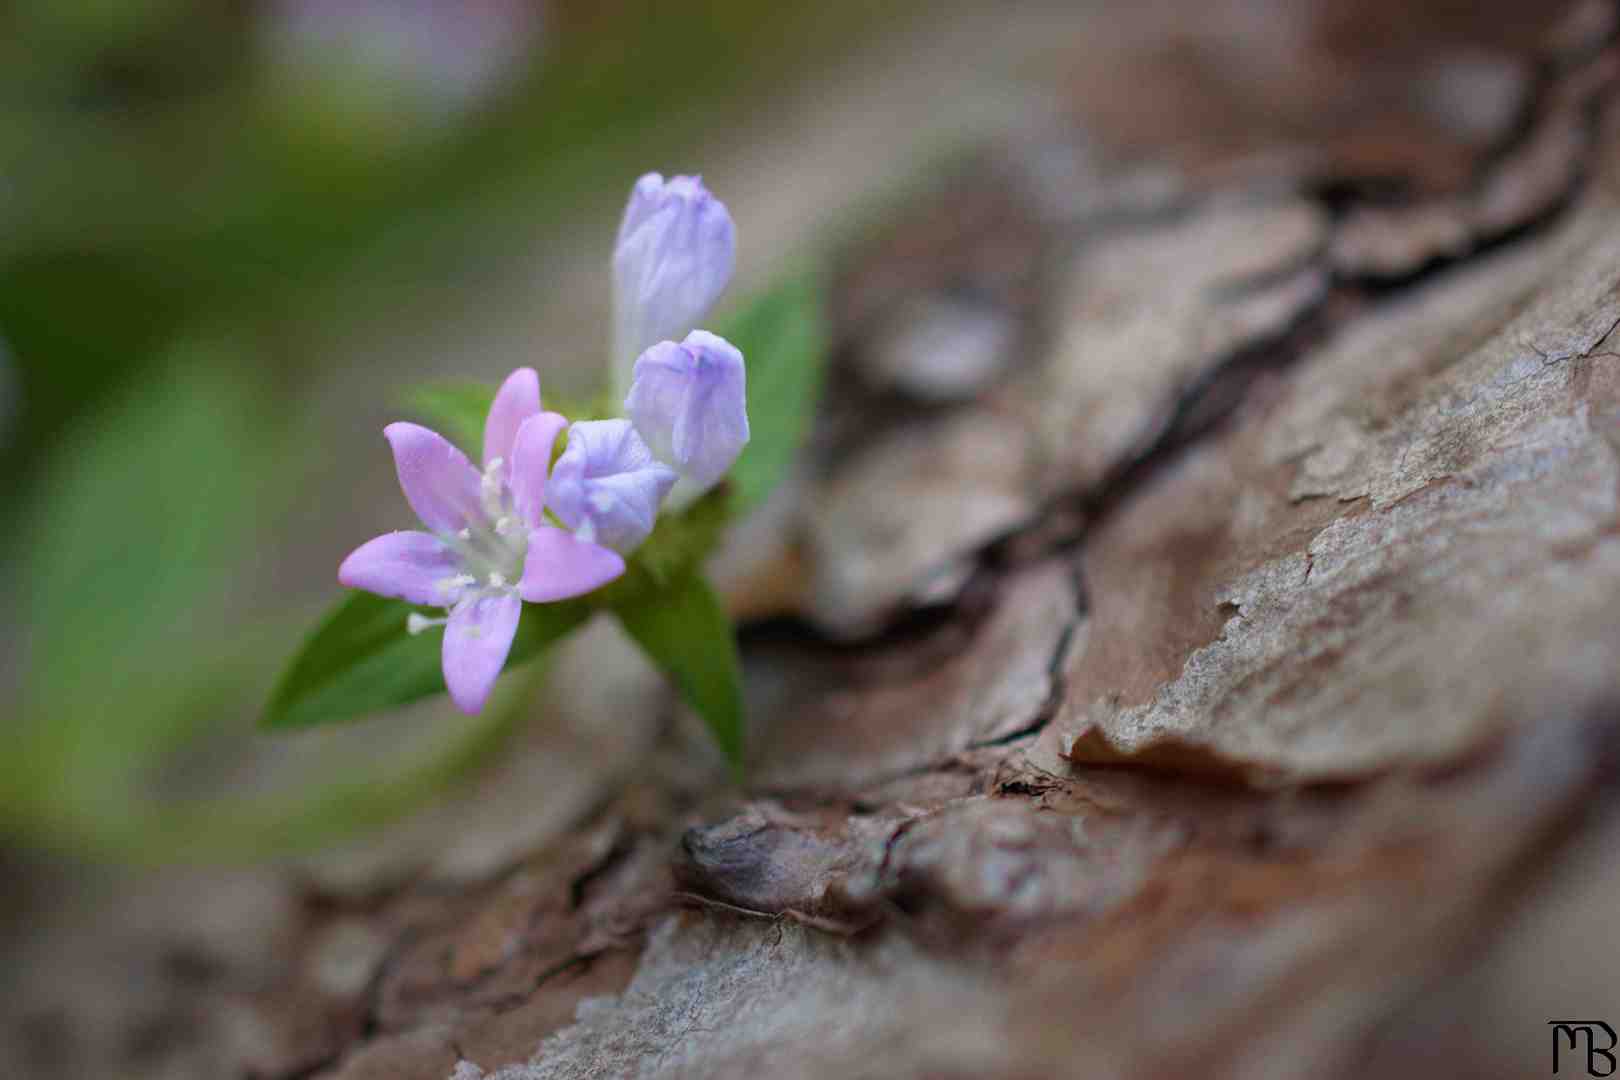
column 488, row 548
column 689, row 401
column 675, row 254
column 606, row 486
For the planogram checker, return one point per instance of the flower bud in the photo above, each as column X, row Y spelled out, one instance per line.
column 690, row 404
column 674, row 257
column 606, row 485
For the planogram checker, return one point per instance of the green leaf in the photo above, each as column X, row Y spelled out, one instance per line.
column 679, row 543
column 361, row 659
column 684, row 629
column 131, row 544
column 782, row 338
column 455, row 408
column 142, row 512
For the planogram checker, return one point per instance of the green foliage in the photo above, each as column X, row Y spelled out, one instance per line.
column 138, row 523
column 360, row 659
column 684, row 629
column 783, row 340
column 455, row 408
column 144, row 508
column 679, row 543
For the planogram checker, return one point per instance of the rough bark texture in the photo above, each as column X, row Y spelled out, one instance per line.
column 1203, row 659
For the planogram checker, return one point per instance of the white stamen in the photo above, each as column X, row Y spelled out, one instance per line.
column 457, row 581
column 497, row 580
column 464, row 534
column 416, row 623
column 586, row 531
column 492, row 489
column 503, row 526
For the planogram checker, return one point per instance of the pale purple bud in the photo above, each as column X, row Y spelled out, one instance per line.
column 606, row 486
column 676, row 250
column 690, row 403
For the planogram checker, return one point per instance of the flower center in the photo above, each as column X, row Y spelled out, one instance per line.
column 492, row 544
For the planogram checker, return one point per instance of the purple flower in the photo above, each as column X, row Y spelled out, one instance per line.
column 489, row 548
column 689, row 401
column 675, row 253
column 606, row 485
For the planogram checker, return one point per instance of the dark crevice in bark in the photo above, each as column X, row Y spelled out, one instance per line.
column 621, row 849
column 1056, row 692
column 1205, row 406
column 857, row 804
column 518, row 998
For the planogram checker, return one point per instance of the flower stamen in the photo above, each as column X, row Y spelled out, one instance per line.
column 492, row 489
column 416, row 623
column 456, row 582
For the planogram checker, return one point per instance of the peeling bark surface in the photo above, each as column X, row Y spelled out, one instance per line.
column 1206, row 664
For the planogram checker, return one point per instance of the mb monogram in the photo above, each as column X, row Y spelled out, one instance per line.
column 1588, row 1043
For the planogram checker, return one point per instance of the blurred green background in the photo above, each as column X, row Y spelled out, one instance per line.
column 231, row 235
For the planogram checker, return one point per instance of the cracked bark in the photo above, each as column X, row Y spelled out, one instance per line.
column 1227, row 686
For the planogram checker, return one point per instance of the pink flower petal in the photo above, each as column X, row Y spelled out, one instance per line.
column 412, row 566
column 559, row 565
column 476, row 641
column 531, row 464
column 517, row 400
column 439, row 482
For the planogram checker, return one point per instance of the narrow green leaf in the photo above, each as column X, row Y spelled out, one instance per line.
column 126, row 549
column 782, row 339
column 361, row 659
column 160, row 466
column 455, row 408
column 684, row 630
column 679, row 543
